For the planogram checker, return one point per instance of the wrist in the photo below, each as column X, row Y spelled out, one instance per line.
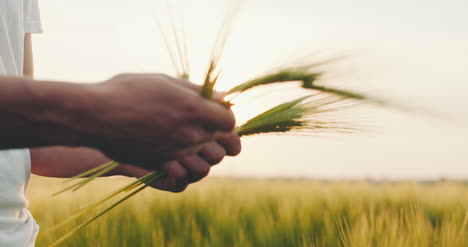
column 60, row 107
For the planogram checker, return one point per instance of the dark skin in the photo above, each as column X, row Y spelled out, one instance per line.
column 190, row 169
column 64, row 125
column 146, row 121
column 49, row 162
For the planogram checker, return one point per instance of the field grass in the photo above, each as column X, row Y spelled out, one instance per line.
column 249, row 212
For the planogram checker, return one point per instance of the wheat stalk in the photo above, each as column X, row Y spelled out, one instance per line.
column 302, row 115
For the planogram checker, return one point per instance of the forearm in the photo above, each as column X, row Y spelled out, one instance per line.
column 64, row 162
column 35, row 114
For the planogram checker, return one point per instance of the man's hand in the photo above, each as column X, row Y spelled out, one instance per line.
column 154, row 118
column 141, row 119
column 66, row 162
column 194, row 167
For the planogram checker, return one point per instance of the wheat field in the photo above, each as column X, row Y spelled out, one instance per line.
column 268, row 212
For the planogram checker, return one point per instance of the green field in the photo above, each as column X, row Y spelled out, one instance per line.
column 249, row 212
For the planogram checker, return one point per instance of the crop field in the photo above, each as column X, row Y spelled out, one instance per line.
column 273, row 212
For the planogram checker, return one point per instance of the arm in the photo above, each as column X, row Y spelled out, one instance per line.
column 58, row 161
column 64, row 161
column 28, row 121
column 142, row 119
column 68, row 162
column 14, row 88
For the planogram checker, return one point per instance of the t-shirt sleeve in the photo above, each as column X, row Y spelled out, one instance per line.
column 32, row 17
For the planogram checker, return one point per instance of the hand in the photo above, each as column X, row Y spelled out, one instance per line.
column 148, row 119
column 194, row 167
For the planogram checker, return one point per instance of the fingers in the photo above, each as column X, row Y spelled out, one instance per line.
column 196, row 166
column 230, row 142
column 192, row 167
column 212, row 152
column 213, row 115
column 177, row 177
column 167, row 183
column 216, row 117
column 217, row 96
column 175, row 181
column 181, row 173
column 193, row 136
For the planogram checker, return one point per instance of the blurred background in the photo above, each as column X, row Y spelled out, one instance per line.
column 413, row 53
column 285, row 190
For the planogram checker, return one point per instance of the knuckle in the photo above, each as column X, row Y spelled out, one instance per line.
column 180, row 175
column 219, row 156
column 235, row 150
column 203, row 171
column 194, row 136
column 186, row 152
column 175, row 116
column 214, row 154
column 185, row 138
column 231, row 143
column 178, row 189
column 230, row 121
column 189, row 110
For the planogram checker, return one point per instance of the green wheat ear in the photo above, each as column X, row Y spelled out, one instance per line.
column 301, row 73
column 214, row 68
column 286, row 75
column 301, row 115
column 304, row 115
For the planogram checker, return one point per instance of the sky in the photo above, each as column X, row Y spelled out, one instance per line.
column 413, row 53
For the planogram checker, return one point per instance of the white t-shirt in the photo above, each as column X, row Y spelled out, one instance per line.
column 17, row 226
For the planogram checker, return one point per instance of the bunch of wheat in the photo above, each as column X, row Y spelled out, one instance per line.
column 309, row 114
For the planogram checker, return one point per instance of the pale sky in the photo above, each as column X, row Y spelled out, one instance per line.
column 412, row 52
